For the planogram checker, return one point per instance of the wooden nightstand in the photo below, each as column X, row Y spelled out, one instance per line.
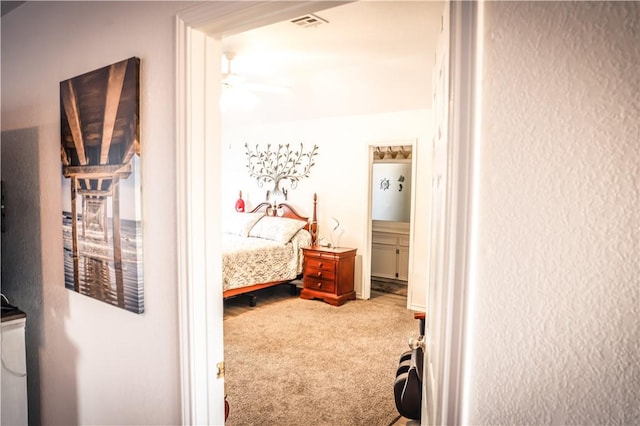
column 328, row 274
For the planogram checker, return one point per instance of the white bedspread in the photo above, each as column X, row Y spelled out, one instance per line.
column 247, row 261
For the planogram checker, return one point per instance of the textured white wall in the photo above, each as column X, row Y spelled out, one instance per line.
column 89, row 363
column 556, row 312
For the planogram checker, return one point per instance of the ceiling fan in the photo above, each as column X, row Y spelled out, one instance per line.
column 230, row 80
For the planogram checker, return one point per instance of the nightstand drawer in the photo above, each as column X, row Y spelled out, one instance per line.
column 319, row 263
column 319, row 274
column 319, row 284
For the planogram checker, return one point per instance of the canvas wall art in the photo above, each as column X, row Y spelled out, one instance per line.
column 101, row 213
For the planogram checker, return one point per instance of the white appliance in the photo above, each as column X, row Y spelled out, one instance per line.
column 14, row 369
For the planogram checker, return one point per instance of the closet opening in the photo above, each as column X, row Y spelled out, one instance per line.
column 391, row 211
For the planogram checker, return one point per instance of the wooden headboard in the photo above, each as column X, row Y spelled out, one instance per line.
column 285, row 210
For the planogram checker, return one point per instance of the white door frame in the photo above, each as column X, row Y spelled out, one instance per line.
column 200, row 321
column 465, row 56
column 199, row 30
column 366, row 260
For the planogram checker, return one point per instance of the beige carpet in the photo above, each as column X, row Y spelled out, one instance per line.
column 304, row 362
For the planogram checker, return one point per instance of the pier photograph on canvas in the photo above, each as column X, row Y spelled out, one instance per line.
column 101, row 211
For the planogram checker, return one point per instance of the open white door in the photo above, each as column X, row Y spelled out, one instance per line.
column 435, row 294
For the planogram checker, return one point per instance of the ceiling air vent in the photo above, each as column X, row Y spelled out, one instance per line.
column 309, row 20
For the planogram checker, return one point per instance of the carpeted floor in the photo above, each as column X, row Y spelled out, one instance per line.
column 304, row 362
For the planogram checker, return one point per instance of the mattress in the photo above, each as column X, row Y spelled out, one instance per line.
column 250, row 260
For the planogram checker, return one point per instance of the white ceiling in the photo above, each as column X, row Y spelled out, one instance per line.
column 371, row 56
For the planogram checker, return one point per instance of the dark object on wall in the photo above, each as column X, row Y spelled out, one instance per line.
column 100, row 150
column 2, row 207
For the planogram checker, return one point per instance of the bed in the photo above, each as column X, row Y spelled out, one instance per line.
column 263, row 248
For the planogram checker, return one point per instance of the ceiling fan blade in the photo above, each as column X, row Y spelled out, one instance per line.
column 268, row 88
column 232, row 80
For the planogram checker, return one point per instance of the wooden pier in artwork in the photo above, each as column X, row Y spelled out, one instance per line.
column 99, row 137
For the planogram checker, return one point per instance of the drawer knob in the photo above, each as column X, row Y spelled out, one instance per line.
column 319, row 273
column 319, row 285
column 320, row 264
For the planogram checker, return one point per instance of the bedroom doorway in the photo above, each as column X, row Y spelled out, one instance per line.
column 198, row 182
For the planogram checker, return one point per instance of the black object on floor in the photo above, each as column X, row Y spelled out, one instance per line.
column 407, row 388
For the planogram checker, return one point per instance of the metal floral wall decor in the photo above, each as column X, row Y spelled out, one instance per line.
column 276, row 165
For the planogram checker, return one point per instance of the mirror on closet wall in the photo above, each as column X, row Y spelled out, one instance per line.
column 391, row 205
column 392, row 192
